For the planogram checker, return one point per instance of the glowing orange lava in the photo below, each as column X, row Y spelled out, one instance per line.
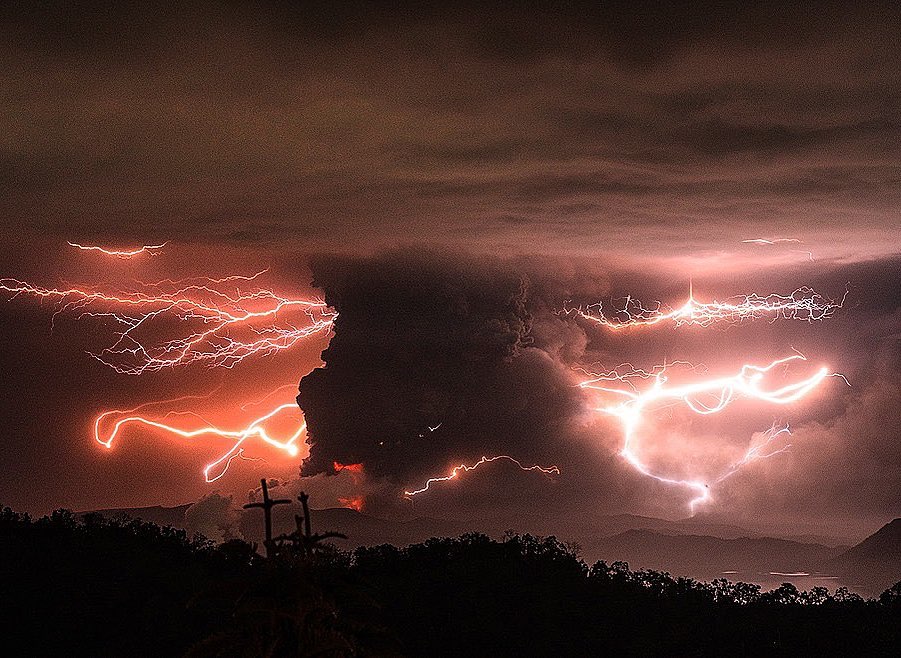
column 356, row 503
column 350, row 468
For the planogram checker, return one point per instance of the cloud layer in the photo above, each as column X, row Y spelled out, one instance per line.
column 641, row 130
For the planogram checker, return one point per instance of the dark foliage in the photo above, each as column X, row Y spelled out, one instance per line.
column 101, row 587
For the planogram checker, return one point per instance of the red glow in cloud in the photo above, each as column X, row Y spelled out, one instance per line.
column 355, row 470
column 356, row 503
column 350, row 468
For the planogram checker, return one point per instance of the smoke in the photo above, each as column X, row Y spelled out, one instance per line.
column 436, row 361
column 846, row 465
column 215, row 517
column 439, row 360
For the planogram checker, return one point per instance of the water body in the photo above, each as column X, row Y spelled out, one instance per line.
column 803, row 580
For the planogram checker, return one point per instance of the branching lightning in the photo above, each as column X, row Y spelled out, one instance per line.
column 802, row 304
column 151, row 249
column 216, row 322
column 110, row 424
column 704, row 397
column 219, row 324
column 464, row 468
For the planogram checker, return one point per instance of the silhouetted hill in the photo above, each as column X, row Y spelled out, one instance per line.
column 876, row 561
column 361, row 529
column 688, row 547
column 98, row 587
column 162, row 516
column 366, row 530
column 614, row 524
column 709, row 557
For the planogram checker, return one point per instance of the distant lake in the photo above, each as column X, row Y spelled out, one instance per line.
column 803, row 580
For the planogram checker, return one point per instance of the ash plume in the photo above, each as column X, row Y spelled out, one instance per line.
column 434, row 360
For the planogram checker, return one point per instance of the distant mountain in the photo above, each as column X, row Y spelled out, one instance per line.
column 162, row 516
column 875, row 562
column 361, row 529
column 710, row 557
column 366, row 530
column 614, row 524
column 687, row 547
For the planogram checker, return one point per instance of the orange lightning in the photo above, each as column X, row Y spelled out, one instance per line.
column 152, row 249
column 464, row 468
column 802, row 304
column 705, row 397
column 764, row 242
column 256, row 429
column 218, row 323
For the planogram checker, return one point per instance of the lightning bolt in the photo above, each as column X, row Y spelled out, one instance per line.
column 152, row 249
column 220, row 324
column 109, row 425
column 718, row 392
column 464, row 468
column 802, row 304
column 770, row 241
column 775, row 241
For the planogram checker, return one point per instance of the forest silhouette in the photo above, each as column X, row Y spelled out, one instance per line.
column 96, row 586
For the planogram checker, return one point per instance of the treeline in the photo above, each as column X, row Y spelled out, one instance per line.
column 105, row 587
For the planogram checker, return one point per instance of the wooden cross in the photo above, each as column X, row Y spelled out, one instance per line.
column 267, row 505
column 307, row 530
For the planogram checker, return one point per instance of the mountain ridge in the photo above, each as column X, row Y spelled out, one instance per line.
column 876, row 561
column 697, row 549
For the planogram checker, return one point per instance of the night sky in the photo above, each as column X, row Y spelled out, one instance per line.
column 448, row 181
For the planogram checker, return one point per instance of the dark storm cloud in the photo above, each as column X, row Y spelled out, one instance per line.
column 687, row 126
column 645, row 132
column 845, row 468
column 435, row 360
column 475, row 347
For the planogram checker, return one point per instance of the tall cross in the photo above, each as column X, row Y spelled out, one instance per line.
column 267, row 505
column 307, row 529
column 308, row 541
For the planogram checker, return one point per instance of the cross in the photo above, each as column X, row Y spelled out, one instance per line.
column 267, row 505
column 307, row 530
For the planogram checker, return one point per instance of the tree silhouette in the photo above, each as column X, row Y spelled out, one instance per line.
column 302, row 542
column 94, row 586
